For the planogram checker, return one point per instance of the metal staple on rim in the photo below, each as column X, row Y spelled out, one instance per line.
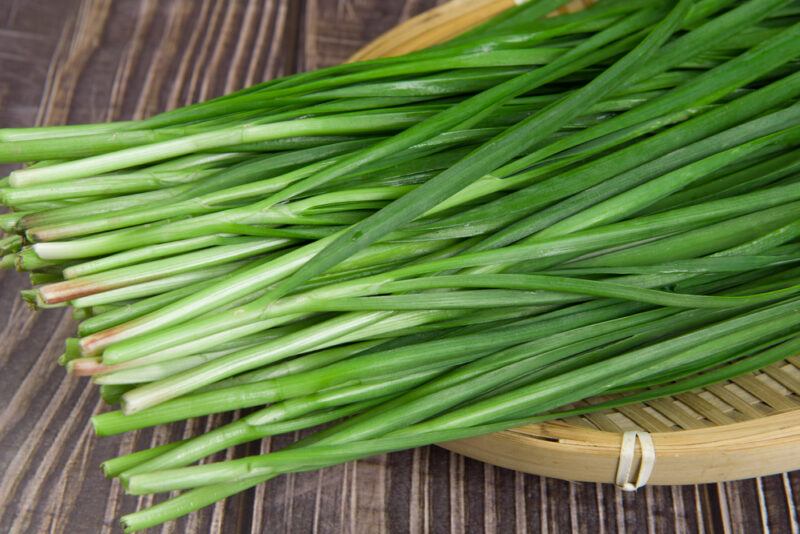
column 626, row 454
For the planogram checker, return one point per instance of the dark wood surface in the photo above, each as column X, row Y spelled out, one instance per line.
column 92, row 60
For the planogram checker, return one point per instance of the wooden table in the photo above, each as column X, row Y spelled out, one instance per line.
column 94, row 60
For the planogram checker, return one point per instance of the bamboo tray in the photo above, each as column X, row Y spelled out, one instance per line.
column 743, row 428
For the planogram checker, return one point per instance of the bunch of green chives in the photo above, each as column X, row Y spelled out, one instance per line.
column 428, row 247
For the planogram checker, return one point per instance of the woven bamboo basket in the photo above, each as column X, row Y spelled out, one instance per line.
column 747, row 427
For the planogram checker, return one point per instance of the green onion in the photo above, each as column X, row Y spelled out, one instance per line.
column 542, row 218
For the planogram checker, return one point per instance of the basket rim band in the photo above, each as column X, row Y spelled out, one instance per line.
column 627, row 453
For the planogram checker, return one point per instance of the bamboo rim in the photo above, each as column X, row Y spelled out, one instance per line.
column 743, row 428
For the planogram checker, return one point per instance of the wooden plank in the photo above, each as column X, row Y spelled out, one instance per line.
column 87, row 60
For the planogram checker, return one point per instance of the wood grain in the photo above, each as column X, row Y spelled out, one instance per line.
column 87, row 60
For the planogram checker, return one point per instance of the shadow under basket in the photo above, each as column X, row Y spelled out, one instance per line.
column 742, row 428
